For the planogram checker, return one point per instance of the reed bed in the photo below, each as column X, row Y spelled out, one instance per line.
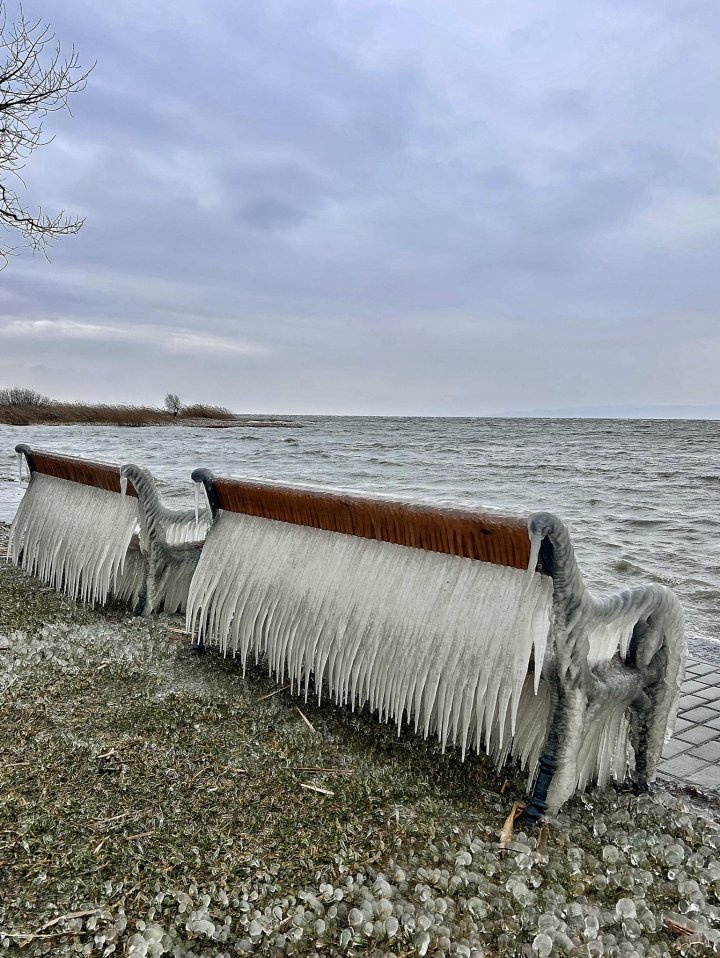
column 77, row 413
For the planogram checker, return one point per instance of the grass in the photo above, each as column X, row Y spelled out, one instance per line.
column 139, row 767
column 57, row 413
column 141, row 788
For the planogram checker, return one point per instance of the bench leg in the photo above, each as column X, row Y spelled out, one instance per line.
column 557, row 772
column 140, row 604
column 537, row 802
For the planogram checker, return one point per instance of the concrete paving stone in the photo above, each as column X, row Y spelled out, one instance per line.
column 708, row 777
column 713, row 723
column 709, row 751
column 694, row 687
column 711, row 693
column 713, row 704
column 688, row 702
column 674, row 747
column 682, row 766
column 697, row 734
column 711, row 678
column 696, row 667
column 700, row 714
column 680, row 724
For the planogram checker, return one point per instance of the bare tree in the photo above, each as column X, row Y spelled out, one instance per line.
column 172, row 403
column 35, row 79
column 19, row 396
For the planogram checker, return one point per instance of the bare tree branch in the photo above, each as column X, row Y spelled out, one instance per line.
column 35, row 79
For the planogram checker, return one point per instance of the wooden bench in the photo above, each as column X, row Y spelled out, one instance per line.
column 95, row 530
column 472, row 627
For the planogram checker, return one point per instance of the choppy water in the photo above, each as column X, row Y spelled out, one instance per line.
column 642, row 498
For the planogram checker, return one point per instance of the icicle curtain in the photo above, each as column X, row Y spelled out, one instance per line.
column 73, row 536
column 438, row 639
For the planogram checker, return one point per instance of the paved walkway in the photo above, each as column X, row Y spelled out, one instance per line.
column 693, row 753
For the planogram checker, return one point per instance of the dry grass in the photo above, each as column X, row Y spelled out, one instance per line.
column 57, row 413
column 141, row 787
column 203, row 411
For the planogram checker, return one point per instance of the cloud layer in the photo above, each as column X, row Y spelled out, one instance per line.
column 410, row 207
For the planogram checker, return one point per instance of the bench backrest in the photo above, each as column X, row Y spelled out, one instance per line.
column 441, row 633
column 501, row 540
column 73, row 528
column 87, row 472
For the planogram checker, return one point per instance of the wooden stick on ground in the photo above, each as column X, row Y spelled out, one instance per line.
column 275, row 692
column 306, row 720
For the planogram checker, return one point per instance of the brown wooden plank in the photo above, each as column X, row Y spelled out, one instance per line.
column 502, row 540
column 85, row 471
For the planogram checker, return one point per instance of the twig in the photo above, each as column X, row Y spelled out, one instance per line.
column 677, row 927
column 132, row 838
column 115, row 818
column 306, row 720
column 55, row 921
column 316, row 788
column 332, row 771
column 270, row 694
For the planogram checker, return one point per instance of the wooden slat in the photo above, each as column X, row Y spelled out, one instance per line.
column 502, row 540
column 85, row 471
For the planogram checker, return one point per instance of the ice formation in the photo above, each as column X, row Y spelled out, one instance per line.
column 73, row 536
column 408, row 631
column 93, row 543
column 614, row 676
column 446, row 643
column 178, row 525
column 170, row 542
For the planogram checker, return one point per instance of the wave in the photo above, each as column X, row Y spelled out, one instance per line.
column 645, row 523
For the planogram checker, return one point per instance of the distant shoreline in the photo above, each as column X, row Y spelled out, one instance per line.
column 166, row 423
column 33, row 409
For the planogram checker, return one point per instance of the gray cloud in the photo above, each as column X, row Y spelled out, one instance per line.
column 389, row 207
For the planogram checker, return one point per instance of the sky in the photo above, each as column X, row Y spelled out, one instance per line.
column 416, row 207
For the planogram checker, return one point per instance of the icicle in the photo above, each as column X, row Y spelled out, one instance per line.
column 197, row 504
column 20, row 458
column 535, row 543
column 123, row 485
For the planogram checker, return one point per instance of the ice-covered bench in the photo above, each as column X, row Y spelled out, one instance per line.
column 472, row 627
column 95, row 530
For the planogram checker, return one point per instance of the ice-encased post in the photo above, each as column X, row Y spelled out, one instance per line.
column 23, row 450
column 205, row 478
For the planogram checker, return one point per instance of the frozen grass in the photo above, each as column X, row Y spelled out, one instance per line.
column 152, row 803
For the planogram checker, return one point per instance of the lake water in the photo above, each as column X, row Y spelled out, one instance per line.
column 642, row 498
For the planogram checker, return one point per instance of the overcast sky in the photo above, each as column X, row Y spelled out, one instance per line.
column 409, row 206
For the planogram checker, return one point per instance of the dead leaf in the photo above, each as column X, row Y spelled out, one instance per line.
column 507, row 832
column 542, row 834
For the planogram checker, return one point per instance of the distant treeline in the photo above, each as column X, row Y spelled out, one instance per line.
column 26, row 407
